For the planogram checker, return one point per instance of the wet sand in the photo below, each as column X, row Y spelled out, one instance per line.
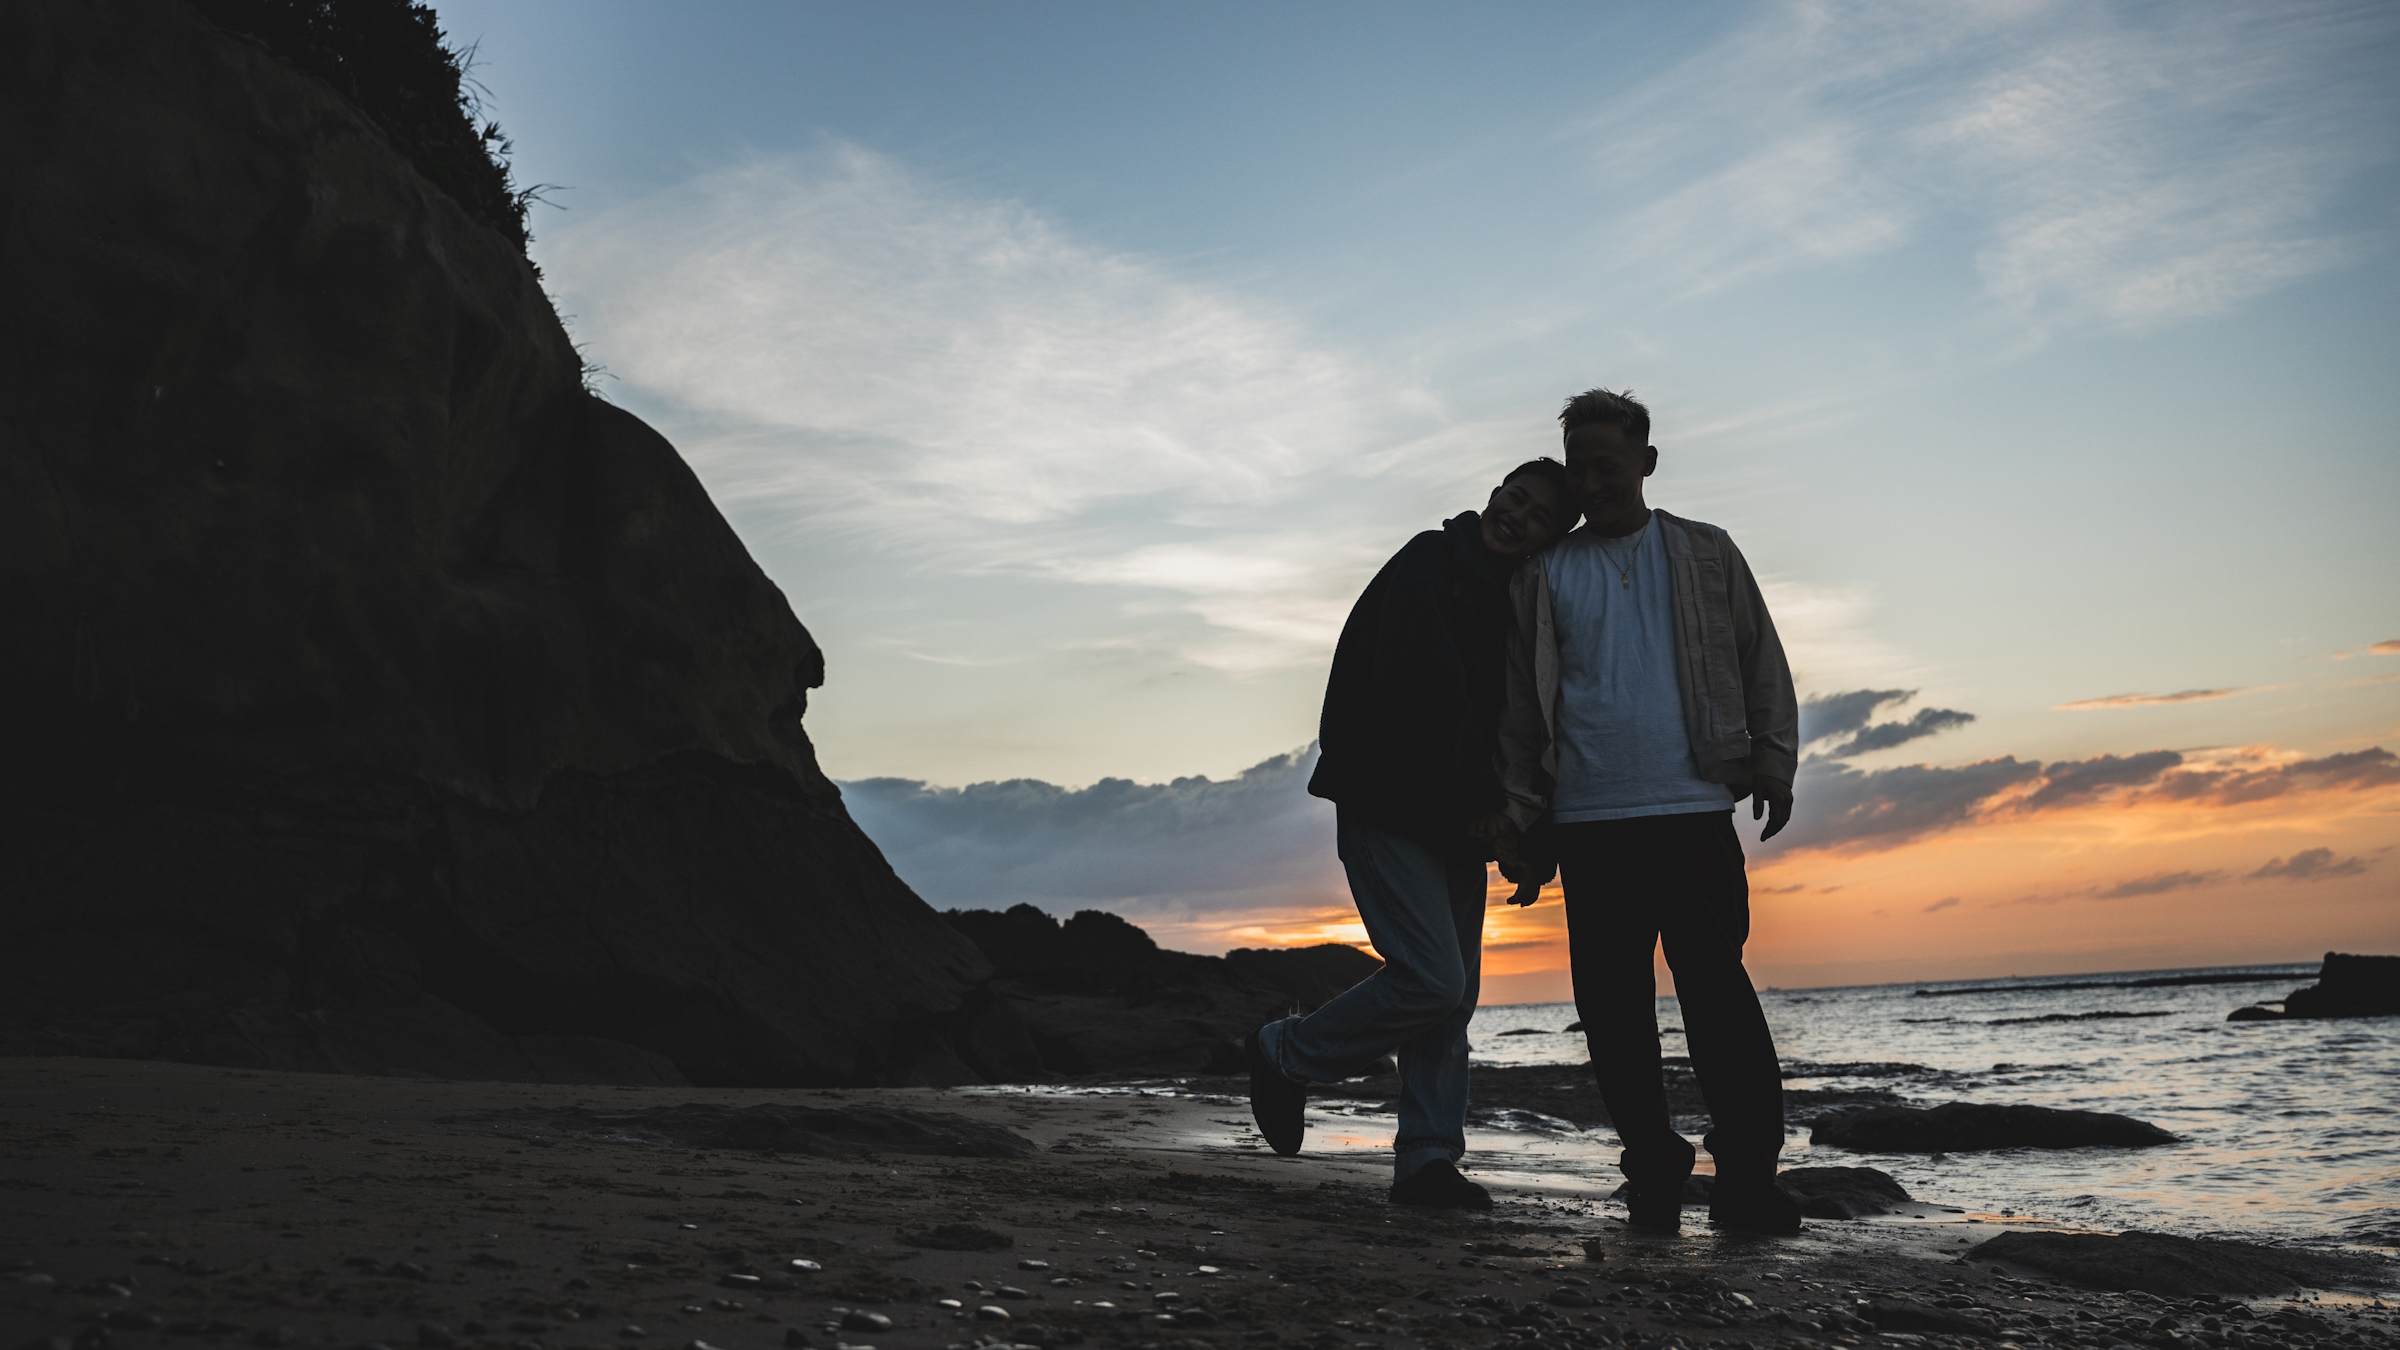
column 164, row 1205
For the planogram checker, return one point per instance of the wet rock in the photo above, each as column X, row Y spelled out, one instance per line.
column 991, row 1312
column 1568, row 1297
column 861, row 1320
column 2179, row 1267
column 1030, row 1264
column 730, row 1280
column 1967, row 1127
column 1842, row 1192
column 795, row 1339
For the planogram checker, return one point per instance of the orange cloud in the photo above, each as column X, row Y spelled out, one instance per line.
column 2145, row 700
column 2387, row 647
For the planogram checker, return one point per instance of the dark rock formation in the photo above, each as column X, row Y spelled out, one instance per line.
column 1972, row 1127
column 836, row 1132
column 1842, row 1192
column 1100, row 997
column 2347, row 986
column 377, row 700
column 2177, row 1267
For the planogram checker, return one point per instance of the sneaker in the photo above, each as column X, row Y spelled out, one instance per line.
column 1756, row 1208
column 1279, row 1105
column 1655, row 1208
column 1437, row 1185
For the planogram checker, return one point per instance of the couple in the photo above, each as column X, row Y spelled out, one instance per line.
column 1595, row 702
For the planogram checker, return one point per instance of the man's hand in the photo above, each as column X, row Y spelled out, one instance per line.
column 1772, row 798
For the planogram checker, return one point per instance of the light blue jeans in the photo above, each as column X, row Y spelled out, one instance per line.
column 1424, row 913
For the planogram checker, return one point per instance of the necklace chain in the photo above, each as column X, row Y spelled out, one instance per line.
column 1625, row 569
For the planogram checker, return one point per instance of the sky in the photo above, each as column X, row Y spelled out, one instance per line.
column 1072, row 367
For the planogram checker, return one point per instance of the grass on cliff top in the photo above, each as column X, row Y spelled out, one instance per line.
column 388, row 58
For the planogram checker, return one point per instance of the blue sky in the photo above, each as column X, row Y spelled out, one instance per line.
column 1071, row 367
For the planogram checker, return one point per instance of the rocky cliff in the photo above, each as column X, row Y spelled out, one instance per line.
column 375, row 699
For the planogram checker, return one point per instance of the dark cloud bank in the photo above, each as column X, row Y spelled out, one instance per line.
column 1196, row 845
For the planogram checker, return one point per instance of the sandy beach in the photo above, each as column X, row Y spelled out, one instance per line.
column 156, row 1204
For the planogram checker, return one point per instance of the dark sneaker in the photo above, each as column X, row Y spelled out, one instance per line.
column 1279, row 1105
column 1655, row 1208
column 1437, row 1185
column 1760, row 1207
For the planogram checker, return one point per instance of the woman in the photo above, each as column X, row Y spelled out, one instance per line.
column 1409, row 755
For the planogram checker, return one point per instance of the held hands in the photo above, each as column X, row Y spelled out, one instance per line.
column 1772, row 798
column 1502, row 834
column 1498, row 831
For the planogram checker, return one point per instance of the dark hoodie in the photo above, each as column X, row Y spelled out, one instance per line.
column 1408, row 739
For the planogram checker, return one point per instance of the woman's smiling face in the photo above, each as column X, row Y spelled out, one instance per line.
column 1524, row 514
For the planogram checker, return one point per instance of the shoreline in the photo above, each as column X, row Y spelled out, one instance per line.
column 252, row 1208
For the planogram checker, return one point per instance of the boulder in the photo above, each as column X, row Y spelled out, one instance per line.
column 1842, row 1192
column 378, row 699
column 1099, row 996
column 1971, row 1127
column 2179, row 1267
column 2347, row 986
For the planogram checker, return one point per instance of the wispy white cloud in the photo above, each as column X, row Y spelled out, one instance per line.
column 2106, row 166
column 859, row 351
column 948, row 355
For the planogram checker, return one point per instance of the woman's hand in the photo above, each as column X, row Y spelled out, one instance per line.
column 1498, row 831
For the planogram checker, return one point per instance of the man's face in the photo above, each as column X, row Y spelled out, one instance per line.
column 1606, row 473
column 1524, row 514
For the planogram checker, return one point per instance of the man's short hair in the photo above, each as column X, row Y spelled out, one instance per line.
column 1602, row 407
column 1549, row 471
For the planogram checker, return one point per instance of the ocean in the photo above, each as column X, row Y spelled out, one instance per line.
column 2290, row 1130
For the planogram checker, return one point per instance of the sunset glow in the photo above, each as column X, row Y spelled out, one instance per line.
column 1072, row 370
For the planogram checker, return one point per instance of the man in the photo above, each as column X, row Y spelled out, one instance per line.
column 1647, row 695
column 1409, row 755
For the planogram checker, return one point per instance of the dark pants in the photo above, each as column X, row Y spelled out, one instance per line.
column 1630, row 884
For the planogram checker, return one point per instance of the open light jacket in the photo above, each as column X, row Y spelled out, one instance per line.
column 1738, row 703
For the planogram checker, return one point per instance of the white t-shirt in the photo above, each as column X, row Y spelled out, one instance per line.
column 1622, row 748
